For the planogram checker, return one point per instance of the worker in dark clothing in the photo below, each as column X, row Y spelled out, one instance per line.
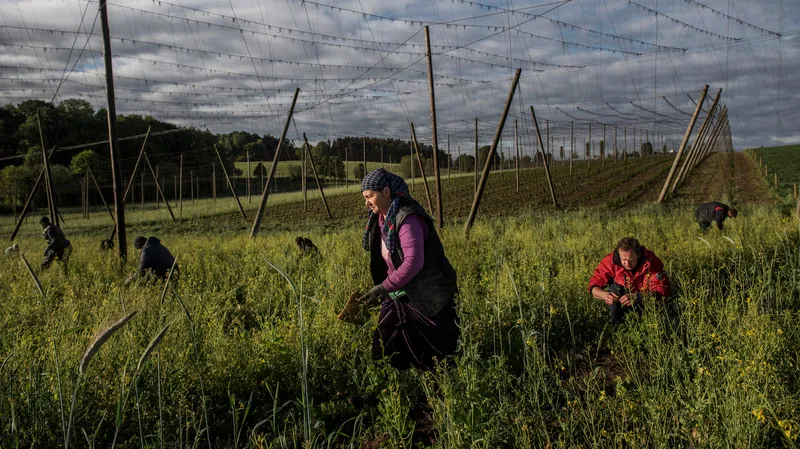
column 58, row 247
column 155, row 260
column 713, row 212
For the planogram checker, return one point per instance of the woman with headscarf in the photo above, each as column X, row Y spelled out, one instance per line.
column 414, row 282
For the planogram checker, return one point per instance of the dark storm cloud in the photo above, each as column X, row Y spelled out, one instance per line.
column 159, row 70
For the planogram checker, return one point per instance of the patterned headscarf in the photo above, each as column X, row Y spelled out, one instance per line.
column 377, row 180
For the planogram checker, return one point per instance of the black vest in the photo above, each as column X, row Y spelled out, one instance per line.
column 435, row 285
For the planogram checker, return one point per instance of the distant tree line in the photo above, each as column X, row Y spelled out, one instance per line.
column 75, row 122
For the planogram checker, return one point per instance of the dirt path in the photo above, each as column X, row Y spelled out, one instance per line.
column 725, row 176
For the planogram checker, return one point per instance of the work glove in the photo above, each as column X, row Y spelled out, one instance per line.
column 373, row 297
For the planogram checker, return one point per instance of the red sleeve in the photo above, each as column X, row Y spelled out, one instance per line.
column 603, row 274
column 659, row 281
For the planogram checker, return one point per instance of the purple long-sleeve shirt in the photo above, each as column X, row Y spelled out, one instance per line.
column 412, row 235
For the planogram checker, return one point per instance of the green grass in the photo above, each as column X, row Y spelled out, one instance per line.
column 537, row 365
column 783, row 161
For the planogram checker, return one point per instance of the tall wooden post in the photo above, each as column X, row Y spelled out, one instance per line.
column 263, row 168
column 571, row 145
column 230, row 185
column 421, row 167
column 547, row 134
column 625, row 153
column 449, row 160
column 159, row 190
column 544, row 159
column 603, row 146
column 683, row 143
column 695, row 149
column 158, row 201
column 303, row 181
column 191, row 184
column 485, row 175
column 136, row 166
column 249, row 174
column 615, row 143
column 82, row 183
column 265, row 192
column 364, row 149
column 411, row 162
column 438, row 180
column 142, row 193
column 475, row 184
column 48, row 185
column 214, row 181
column 180, row 187
column 589, row 147
column 316, row 177
column 516, row 147
column 113, row 140
column 97, row 186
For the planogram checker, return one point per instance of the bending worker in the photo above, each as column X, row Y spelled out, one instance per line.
column 713, row 212
column 155, row 260
column 624, row 275
column 58, row 247
column 414, row 282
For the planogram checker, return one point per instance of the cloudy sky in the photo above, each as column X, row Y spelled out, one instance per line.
column 360, row 65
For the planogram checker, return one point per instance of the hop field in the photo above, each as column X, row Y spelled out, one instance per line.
column 252, row 354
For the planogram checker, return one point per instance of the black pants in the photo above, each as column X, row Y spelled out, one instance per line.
column 51, row 255
column 704, row 225
column 616, row 311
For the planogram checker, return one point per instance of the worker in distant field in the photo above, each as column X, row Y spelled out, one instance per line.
column 58, row 247
column 624, row 275
column 414, row 282
column 155, row 260
column 714, row 211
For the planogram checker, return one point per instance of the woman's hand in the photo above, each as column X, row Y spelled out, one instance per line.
column 373, row 297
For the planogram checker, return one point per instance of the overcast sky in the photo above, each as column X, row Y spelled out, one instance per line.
column 361, row 68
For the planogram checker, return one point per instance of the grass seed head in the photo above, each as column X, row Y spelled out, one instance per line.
column 101, row 338
column 151, row 347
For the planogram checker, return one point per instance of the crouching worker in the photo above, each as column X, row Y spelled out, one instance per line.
column 155, row 260
column 713, row 212
column 624, row 275
column 415, row 284
column 58, row 247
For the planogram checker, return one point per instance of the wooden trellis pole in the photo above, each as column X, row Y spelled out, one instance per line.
column 230, row 185
column 158, row 187
column 485, row 175
column 421, row 168
column 48, row 185
column 546, row 165
column 571, row 145
column 435, row 142
column 97, row 186
column 265, row 192
column 249, row 173
column 698, row 146
column 113, row 139
column 589, row 147
column 475, row 184
column 683, row 144
column 27, row 205
column 136, row 166
column 316, row 177
column 516, row 147
column 625, row 144
column 180, row 188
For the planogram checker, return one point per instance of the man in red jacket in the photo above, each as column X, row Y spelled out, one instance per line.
column 624, row 275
